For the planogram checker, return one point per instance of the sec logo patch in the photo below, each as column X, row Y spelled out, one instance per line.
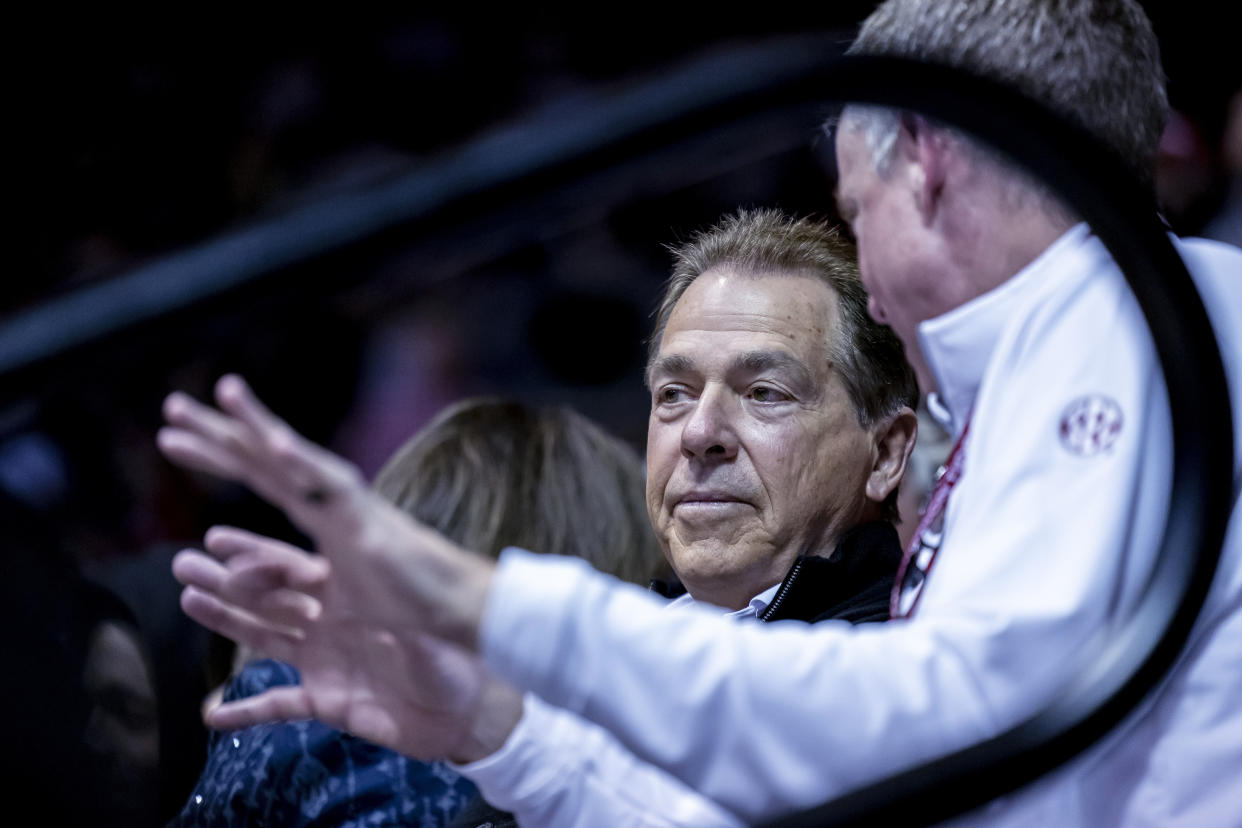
column 1091, row 425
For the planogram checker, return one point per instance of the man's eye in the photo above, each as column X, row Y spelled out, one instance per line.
column 767, row 394
column 670, row 395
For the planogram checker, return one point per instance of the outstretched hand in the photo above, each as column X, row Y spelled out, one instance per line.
column 388, row 570
column 420, row 696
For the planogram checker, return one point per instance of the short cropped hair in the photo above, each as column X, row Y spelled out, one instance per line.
column 868, row 356
column 490, row 473
column 1095, row 62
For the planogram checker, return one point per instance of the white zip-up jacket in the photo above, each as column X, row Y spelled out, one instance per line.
column 1048, row 537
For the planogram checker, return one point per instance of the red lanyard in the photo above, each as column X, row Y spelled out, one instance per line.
column 917, row 561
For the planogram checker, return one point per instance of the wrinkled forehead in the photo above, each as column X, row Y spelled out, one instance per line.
column 748, row 309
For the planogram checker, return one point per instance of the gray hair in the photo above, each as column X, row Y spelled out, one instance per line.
column 869, row 356
column 1096, row 62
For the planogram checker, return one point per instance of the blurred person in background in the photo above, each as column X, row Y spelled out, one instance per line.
column 489, row 473
column 1226, row 224
column 146, row 674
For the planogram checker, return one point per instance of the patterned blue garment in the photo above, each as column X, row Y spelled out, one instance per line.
column 306, row 773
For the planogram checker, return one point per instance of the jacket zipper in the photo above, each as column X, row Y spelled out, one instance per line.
column 782, row 592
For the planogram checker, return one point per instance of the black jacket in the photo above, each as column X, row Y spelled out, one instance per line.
column 852, row 584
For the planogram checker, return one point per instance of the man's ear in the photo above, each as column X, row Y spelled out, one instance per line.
column 894, row 440
column 923, row 147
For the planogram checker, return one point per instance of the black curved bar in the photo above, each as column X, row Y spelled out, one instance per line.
column 517, row 161
column 1119, row 669
column 1117, row 672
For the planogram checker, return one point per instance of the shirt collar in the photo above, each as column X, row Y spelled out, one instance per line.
column 755, row 608
column 959, row 344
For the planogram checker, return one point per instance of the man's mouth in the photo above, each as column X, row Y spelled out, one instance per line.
column 708, row 499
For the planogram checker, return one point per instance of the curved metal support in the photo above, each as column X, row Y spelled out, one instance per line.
column 1120, row 668
column 561, row 142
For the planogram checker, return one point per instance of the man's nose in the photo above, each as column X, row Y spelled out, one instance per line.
column 709, row 432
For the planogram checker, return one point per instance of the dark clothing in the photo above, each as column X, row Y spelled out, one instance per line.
column 852, row 584
column 305, row 773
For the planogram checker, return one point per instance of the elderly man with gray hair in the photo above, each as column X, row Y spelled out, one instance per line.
column 781, row 424
column 1042, row 531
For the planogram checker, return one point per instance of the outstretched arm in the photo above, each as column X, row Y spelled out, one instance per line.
column 391, row 571
column 420, row 696
column 432, row 702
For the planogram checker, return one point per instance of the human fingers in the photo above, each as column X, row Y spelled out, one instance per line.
column 193, row 568
column 189, row 449
column 227, row 619
column 199, row 450
column 283, row 564
column 279, row 704
column 256, row 590
column 311, row 475
column 234, row 395
column 273, row 579
column 226, row 434
column 195, row 450
column 220, row 443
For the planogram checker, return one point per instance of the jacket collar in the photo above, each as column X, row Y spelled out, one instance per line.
column 852, row 584
column 959, row 344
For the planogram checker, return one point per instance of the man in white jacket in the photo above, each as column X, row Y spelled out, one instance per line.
column 1043, row 532
column 781, row 423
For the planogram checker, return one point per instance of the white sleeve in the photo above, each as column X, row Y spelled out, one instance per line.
column 1043, row 548
column 558, row 771
column 758, row 718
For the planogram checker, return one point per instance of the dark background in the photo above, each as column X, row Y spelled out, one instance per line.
column 142, row 137
column 151, row 135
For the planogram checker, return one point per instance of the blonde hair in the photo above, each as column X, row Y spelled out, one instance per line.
column 490, row 473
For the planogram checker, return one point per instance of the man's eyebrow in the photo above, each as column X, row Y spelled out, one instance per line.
column 670, row 364
column 760, row 361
